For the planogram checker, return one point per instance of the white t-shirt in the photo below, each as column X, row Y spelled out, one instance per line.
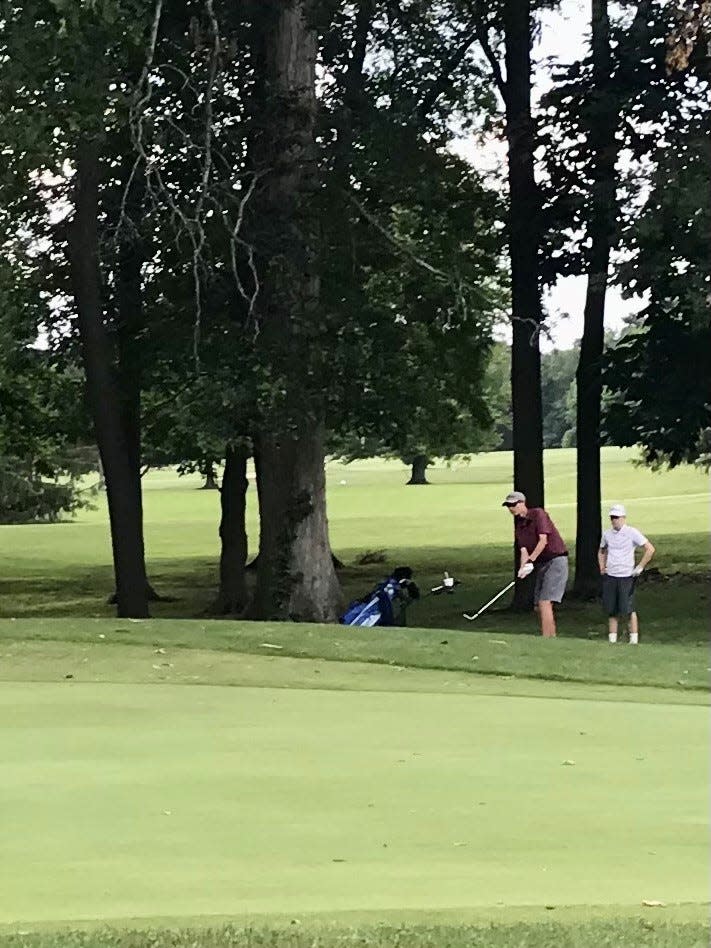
column 620, row 545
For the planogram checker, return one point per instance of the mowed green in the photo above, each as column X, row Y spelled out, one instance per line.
column 138, row 800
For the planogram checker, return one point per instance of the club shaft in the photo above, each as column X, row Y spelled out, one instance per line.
column 497, row 596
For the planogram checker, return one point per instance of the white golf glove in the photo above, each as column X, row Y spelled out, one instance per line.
column 525, row 570
column 638, row 570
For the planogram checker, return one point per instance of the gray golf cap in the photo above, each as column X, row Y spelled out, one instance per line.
column 515, row 497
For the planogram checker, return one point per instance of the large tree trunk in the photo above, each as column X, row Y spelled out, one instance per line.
column 208, row 472
column 103, row 390
column 601, row 137
column 295, row 575
column 524, row 239
column 420, row 464
column 232, row 595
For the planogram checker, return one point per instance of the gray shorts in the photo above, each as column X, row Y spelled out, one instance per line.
column 551, row 580
column 618, row 595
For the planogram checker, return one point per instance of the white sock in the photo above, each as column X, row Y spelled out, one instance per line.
column 612, row 637
column 634, row 638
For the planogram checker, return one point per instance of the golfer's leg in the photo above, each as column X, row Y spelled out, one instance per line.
column 634, row 629
column 547, row 617
column 612, row 629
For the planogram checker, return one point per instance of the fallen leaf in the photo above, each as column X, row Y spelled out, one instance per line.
column 653, row 903
column 569, row 763
column 498, row 642
column 269, row 645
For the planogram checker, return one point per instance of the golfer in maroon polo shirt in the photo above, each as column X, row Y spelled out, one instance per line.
column 541, row 548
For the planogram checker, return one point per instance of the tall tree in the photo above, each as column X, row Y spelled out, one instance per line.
column 513, row 23
column 295, row 576
column 102, row 386
column 602, row 121
column 82, row 104
column 657, row 374
column 524, row 244
column 620, row 97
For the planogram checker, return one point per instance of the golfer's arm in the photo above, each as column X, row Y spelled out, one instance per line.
column 648, row 554
column 539, row 547
column 602, row 559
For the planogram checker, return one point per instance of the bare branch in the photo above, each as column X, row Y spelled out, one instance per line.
column 249, row 298
column 141, row 97
column 199, row 243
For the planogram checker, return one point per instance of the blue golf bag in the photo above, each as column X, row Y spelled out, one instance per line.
column 379, row 606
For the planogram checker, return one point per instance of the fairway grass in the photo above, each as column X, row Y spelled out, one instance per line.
column 456, row 523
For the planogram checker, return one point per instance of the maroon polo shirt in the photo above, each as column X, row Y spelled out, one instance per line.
column 528, row 529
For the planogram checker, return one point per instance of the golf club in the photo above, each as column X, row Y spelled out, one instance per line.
column 490, row 602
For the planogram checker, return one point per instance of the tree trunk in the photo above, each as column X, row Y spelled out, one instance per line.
column 295, row 574
column 232, row 595
column 602, row 143
column 524, row 240
column 103, row 390
column 208, row 473
column 253, row 565
column 131, row 326
column 420, row 463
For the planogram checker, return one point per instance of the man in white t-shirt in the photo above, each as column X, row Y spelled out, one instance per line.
column 619, row 573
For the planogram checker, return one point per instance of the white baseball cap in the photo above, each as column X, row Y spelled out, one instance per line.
column 618, row 510
column 515, row 497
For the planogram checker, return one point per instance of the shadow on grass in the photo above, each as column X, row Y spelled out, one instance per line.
column 671, row 610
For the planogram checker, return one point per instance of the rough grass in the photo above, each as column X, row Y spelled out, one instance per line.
column 456, row 523
column 621, row 933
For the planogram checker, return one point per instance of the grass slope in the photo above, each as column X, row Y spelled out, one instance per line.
column 680, row 666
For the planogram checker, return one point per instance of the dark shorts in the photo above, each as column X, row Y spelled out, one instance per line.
column 618, row 595
column 551, row 580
